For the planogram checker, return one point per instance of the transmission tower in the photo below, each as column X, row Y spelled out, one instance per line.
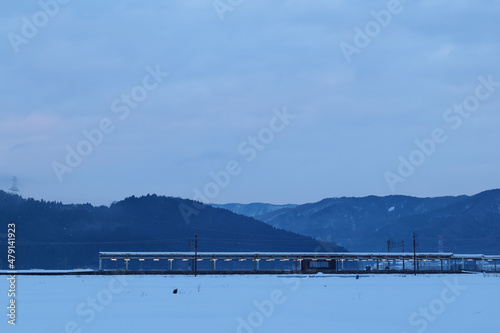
column 14, row 189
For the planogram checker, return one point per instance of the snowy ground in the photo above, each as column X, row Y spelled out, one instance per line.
column 258, row 303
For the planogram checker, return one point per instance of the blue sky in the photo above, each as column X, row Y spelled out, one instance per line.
column 243, row 101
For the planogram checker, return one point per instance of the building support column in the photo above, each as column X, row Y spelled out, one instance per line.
column 256, row 265
column 213, row 264
column 297, row 265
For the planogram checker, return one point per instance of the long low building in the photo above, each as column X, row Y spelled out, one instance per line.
column 295, row 262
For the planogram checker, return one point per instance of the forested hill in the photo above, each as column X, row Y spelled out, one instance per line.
column 53, row 235
column 461, row 224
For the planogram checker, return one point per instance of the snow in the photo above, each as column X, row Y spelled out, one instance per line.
column 48, row 271
column 290, row 254
column 391, row 209
column 255, row 303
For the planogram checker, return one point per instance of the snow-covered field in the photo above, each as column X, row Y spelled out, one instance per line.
column 256, row 303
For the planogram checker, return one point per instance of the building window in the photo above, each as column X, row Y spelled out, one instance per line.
column 318, row 264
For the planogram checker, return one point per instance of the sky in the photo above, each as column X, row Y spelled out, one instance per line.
column 281, row 101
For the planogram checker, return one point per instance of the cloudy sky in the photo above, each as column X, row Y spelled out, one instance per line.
column 281, row 101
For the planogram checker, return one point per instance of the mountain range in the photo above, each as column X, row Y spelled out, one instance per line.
column 52, row 235
column 458, row 224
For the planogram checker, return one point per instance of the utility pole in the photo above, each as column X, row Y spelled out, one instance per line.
column 414, row 256
column 195, row 254
column 389, row 250
column 440, row 244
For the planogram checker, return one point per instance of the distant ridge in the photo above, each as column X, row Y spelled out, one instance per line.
column 253, row 209
column 468, row 224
